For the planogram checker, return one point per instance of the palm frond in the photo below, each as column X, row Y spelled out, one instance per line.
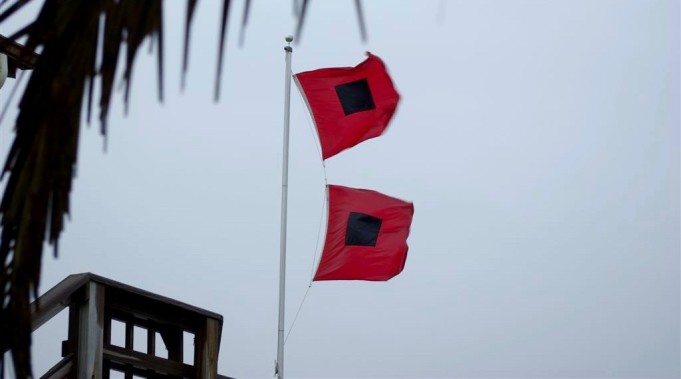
column 40, row 164
column 244, row 21
column 302, row 11
column 191, row 7
column 360, row 18
column 221, row 46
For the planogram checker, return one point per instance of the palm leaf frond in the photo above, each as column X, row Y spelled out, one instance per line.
column 40, row 164
column 221, row 46
column 41, row 160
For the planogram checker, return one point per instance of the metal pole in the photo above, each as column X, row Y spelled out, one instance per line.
column 279, row 369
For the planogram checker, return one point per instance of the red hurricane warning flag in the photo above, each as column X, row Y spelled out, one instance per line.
column 349, row 104
column 366, row 237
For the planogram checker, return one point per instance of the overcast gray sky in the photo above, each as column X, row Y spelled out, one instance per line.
column 538, row 140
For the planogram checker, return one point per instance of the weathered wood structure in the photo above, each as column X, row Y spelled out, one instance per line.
column 94, row 303
column 18, row 56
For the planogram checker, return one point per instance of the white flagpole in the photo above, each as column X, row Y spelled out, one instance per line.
column 279, row 369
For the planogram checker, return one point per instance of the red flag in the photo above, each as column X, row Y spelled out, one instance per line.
column 349, row 104
column 366, row 237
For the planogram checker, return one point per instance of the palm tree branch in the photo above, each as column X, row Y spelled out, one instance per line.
column 40, row 163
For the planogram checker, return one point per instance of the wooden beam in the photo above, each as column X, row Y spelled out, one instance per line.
column 24, row 58
column 71, row 344
column 129, row 335
column 91, row 333
column 60, row 370
column 151, row 341
column 172, row 338
column 107, row 327
column 207, row 346
column 120, row 357
column 150, row 297
column 55, row 300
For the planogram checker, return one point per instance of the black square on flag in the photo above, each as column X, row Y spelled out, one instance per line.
column 355, row 96
column 362, row 229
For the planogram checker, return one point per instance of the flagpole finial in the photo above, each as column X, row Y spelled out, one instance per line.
column 288, row 47
column 289, row 39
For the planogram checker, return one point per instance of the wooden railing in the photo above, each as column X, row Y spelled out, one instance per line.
column 95, row 302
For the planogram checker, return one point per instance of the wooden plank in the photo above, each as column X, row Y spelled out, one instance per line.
column 151, row 350
column 107, row 327
column 55, row 300
column 151, row 341
column 70, row 345
column 172, row 338
column 129, row 335
column 91, row 332
column 61, row 369
column 120, row 357
column 59, row 297
column 207, row 347
column 152, row 296
column 145, row 312
column 22, row 56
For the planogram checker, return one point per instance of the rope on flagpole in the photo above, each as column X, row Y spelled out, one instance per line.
column 313, row 135
column 290, row 329
column 325, row 201
column 326, row 183
column 314, row 258
column 319, row 234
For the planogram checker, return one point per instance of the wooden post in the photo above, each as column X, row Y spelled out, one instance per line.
column 129, row 335
column 151, row 341
column 74, row 314
column 206, row 350
column 172, row 338
column 91, row 331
